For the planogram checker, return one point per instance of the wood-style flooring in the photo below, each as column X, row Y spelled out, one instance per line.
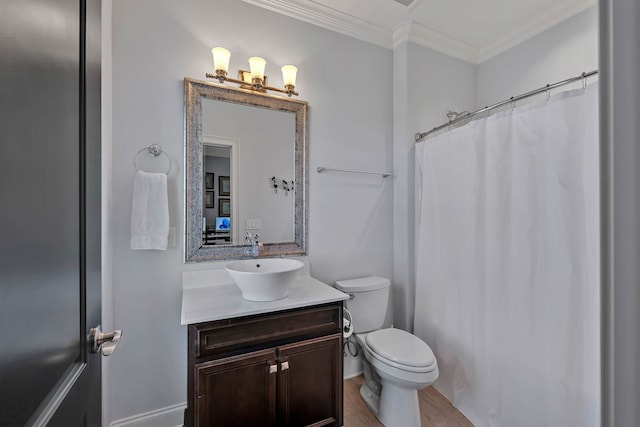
column 435, row 409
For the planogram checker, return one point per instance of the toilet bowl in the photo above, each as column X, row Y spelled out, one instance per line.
column 403, row 364
column 396, row 363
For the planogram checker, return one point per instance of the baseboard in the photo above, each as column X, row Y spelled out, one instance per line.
column 171, row 416
column 352, row 375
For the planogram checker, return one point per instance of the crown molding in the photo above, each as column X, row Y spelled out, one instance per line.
column 533, row 28
column 340, row 22
column 330, row 19
column 426, row 37
column 401, row 33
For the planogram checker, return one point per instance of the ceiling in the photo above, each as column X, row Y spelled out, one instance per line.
column 471, row 30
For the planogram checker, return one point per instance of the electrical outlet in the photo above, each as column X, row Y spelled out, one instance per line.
column 254, row 224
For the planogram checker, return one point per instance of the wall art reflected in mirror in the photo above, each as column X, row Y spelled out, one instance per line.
column 237, row 143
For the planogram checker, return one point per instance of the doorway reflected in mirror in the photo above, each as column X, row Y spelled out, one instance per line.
column 217, row 162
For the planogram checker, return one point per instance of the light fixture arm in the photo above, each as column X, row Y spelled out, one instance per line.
column 221, row 76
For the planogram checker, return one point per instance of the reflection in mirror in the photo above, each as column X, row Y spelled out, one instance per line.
column 265, row 147
column 218, row 201
column 246, row 172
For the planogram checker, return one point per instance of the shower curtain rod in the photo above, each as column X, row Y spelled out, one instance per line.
column 422, row 135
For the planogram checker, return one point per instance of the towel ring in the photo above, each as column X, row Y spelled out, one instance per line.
column 153, row 150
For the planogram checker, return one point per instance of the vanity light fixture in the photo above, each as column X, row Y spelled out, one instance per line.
column 254, row 79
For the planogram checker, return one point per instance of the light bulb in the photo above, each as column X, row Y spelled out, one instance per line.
column 289, row 75
column 221, row 59
column 257, row 65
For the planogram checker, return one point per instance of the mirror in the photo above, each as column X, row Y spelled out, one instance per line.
column 246, row 171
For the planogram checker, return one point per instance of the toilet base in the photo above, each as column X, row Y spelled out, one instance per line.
column 371, row 399
column 399, row 406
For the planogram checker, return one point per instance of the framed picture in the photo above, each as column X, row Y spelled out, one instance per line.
column 208, row 181
column 224, row 185
column 208, row 199
column 224, row 207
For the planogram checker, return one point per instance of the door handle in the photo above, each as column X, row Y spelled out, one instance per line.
column 284, row 366
column 273, row 369
column 104, row 342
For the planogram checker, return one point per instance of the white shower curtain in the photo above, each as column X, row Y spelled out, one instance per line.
column 507, row 260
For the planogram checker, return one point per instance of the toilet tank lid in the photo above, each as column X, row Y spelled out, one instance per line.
column 361, row 284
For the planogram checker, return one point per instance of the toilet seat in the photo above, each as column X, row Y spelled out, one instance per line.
column 401, row 350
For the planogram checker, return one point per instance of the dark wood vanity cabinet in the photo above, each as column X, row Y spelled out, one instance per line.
column 280, row 369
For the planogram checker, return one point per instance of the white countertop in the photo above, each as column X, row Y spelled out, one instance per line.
column 212, row 295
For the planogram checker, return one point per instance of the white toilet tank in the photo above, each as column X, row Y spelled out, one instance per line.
column 368, row 306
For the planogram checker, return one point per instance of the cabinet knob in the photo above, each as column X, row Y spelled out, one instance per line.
column 284, row 366
column 273, row 369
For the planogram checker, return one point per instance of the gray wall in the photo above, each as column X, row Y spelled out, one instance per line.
column 563, row 51
column 426, row 85
column 155, row 45
column 358, row 225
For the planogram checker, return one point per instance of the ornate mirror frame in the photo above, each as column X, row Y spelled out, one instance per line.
column 194, row 92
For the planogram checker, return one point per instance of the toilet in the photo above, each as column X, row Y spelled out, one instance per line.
column 396, row 363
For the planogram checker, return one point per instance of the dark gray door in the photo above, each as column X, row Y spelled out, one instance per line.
column 49, row 211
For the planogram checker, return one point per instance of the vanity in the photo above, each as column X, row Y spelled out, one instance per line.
column 271, row 363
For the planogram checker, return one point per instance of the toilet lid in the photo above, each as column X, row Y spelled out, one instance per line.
column 400, row 347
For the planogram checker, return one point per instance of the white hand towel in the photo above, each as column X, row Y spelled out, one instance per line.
column 150, row 212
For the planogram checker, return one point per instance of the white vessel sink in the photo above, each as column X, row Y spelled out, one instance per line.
column 264, row 279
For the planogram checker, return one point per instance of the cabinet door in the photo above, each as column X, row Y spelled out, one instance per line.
column 237, row 391
column 310, row 383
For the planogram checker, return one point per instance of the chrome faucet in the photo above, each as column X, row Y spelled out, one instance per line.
column 256, row 245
